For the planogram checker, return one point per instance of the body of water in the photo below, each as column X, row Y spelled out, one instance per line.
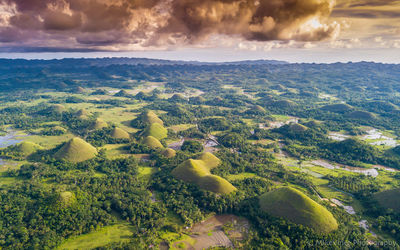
column 9, row 139
column 366, row 171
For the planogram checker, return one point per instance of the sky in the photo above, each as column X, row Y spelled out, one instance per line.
column 208, row 30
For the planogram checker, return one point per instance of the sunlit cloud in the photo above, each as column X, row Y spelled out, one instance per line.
column 139, row 24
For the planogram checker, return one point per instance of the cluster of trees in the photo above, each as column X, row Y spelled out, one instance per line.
column 314, row 143
column 358, row 185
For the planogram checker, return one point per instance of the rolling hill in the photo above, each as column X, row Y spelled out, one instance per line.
column 150, row 117
column 98, row 124
column 169, row 153
column 337, row 108
column 362, row 115
column 119, row 133
column 26, row 148
column 152, row 142
column 293, row 205
column 156, row 130
column 76, row 150
column 198, row 172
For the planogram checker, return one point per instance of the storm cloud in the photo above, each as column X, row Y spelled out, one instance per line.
column 126, row 24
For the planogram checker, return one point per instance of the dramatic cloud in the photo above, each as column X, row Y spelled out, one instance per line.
column 366, row 13
column 130, row 24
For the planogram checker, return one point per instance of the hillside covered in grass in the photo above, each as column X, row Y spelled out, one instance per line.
column 198, row 172
column 295, row 206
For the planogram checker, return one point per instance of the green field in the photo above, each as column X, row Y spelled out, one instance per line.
column 121, row 232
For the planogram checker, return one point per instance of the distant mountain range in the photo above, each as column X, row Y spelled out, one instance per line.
column 133, row 61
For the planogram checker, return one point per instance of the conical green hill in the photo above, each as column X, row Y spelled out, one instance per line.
column 198, row 172
column 152, row 142
column 82, row 114
column 98, row 124
column 338, row 108
column 150, row 117
column 363, row 115
column 258, row 108
column 295, row 127
column 76, row 150
column 156, row 130
column 66, row 199
column 119, row 133
column 169, row 153
column 26, row 148
column 57, row 108
column 313, row 124
column 284, row 104
column 216, row 184
column 293, row 205
column 78, row 90
column 191, row 171
column 210, row 160
column 178, row 98
column 123, row 93
column 145, row 119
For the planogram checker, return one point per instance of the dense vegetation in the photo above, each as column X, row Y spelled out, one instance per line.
column 160, row 146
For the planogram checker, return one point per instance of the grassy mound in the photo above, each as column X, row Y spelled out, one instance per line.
column 59, row 128
column 150, row 117
column 123, row 93
column 152, row 142
column 259, row 109
column 210, row 160
column 363, row 115
column 76, row 150
column 389, row 199
column 178, row 98
column 298, row 208
column 295, row 127
column 191, row 171
column 118, row 133
column 386, row 106
column 283, row 104
column 145, row 119
column 169, row 153
column 82, row 114
column 197, row 100
column 198, row 172
column 337, row 108
column 26, row 148
column 156, row 130
column 99, row 124
column 78, row 90
column 216, row 184
column 66, row 199
column 57, row 108
column 313, row 124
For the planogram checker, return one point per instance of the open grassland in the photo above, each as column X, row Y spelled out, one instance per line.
column 48, row 141
column 114, row 151
column 120, row 232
